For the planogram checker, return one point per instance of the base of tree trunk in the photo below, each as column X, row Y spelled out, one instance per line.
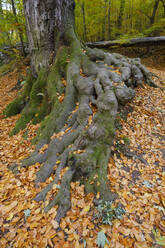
column 76, row 102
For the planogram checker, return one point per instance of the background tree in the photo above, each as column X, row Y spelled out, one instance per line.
column 155, row 8
column 121, row 12
column 75, row 92
column 19, row 28
column 4, row 34
column 109, row 19
column 84, row 21
column 95, row 20
column 163, row 2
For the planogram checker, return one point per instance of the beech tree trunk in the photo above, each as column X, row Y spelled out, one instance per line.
column 74, row 91
column 48, row 25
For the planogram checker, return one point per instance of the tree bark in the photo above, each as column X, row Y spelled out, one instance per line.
column 84, row 22
column 152, row 18
column 163, row 2
column 74, row 91
column 48, row 23
column 104, row 20
column 121, row 12
column 109, row 20
column 1, row 11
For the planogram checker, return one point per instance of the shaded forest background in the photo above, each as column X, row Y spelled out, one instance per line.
column 95, row 20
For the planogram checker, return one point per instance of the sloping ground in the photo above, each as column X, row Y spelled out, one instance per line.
column 136, row 172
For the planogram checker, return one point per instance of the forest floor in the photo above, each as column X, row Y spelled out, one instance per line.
column 136, row 171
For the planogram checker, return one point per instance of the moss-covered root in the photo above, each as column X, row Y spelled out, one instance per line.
column 89, row 143
column 132, row 72
column 19, row 103
column 63, row 197
column 35, row 158
column 36, row 101
column 60, row 111
column 84, row 132
column 97, row 180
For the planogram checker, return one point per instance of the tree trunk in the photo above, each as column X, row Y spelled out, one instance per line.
column 6, row 34
column 156, row 5
column 48, row 22
column 121, row 12
column 1, row 11
column 74, row 91
column 19, row 30
column 84, row 22
column 109, row 20
column 163, row 2
column 104, row 20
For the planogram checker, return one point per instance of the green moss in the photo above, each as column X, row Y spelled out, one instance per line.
column 7, row 67
column 47, row 126
column 43, row 111
column 15, row 107
column 107, row 122
column 33, row 107
column 98, row 151
column 28, row 86
column 54, row 88
column 38, row 88
column 61, row 60
column 18, row 104
column 54, row 85
column 57, row 71
column 25, row 118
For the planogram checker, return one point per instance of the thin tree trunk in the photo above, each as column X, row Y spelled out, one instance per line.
column 104, row 21
column 84, row 22
column 19, row 29
column 163, row 2
column 156, row 5
column 121, row 12
column 109, row 20
column 1, row 11
column 1, row 19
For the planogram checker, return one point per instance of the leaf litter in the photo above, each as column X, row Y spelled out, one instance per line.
column 141, row 187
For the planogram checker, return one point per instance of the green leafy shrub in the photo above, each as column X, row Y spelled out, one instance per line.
column 107, row 213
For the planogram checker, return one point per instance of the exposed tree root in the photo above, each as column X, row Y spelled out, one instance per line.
column 80, row 127
column 133, row 155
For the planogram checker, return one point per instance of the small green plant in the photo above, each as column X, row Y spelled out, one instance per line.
column 160, row 240
column 102, row 239
column 126, row 140
column 107, row 213
column 121, row 143
column 118, row 124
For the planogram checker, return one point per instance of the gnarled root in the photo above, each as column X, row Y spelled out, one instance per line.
column 96, row 82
